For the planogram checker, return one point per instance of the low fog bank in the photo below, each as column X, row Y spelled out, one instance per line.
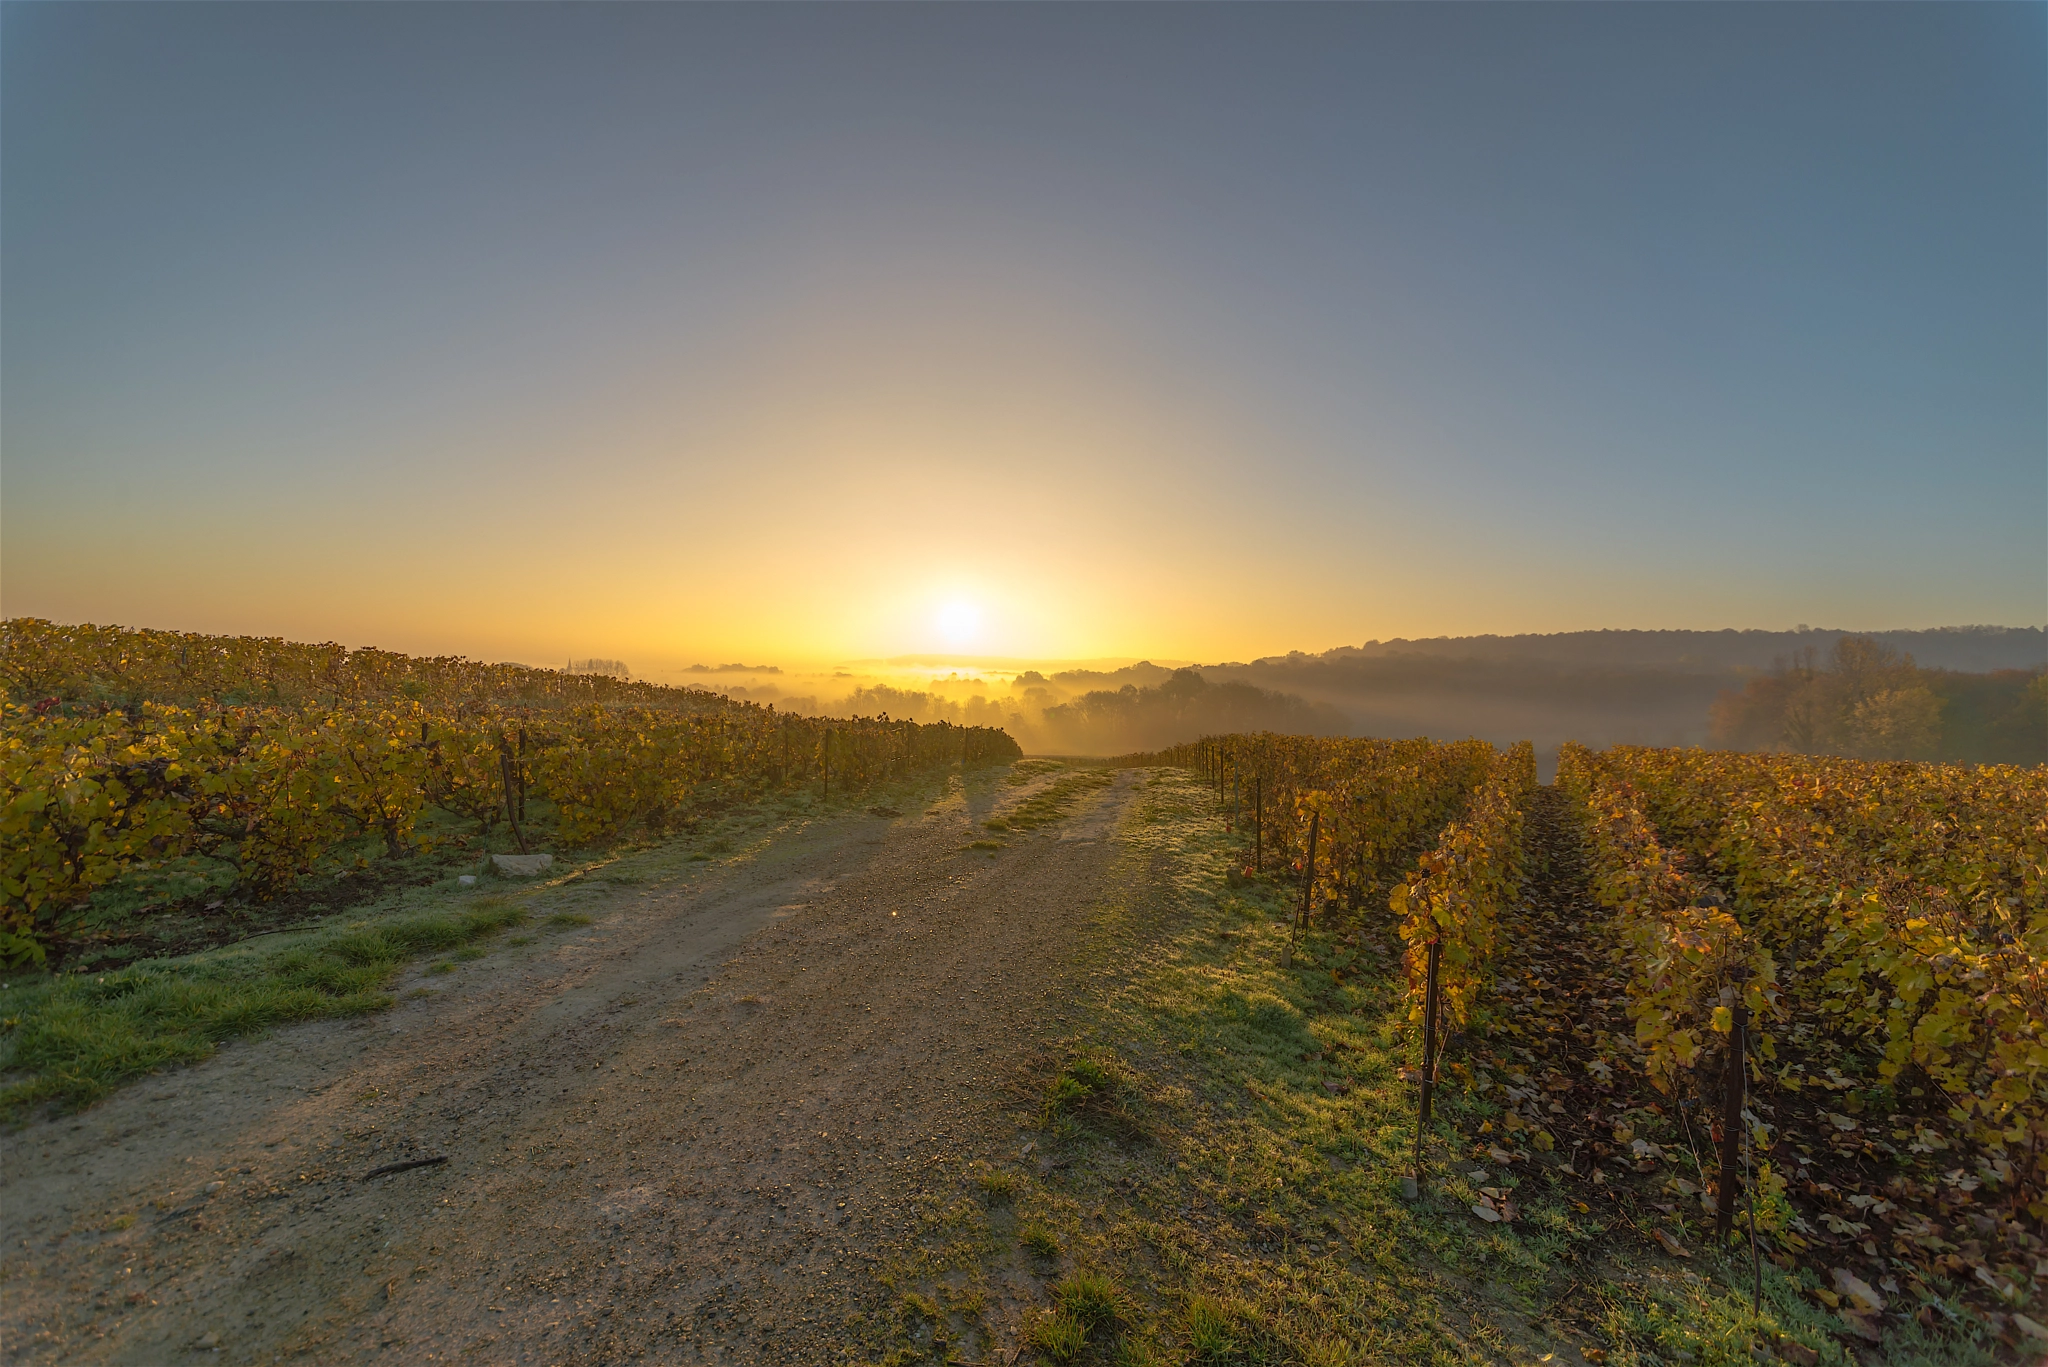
column 1086, row 712
column 1180, row 707
column 1500, row 701
column 1975, row 695
column 1147, row 706
column 1971, row 648
column 1963, row 693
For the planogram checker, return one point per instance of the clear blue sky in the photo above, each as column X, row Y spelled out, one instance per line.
column 1206, row 331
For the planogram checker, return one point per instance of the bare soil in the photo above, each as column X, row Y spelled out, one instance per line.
column 687, row 1132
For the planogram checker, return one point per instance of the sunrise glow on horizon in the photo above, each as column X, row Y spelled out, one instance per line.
column 807, row 335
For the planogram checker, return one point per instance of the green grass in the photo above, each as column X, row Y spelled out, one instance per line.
column 1226, row 1146
column 998, row 1185
column 1052, row 802
column 1039, row 1239
column 68, row 1041
column 1210, row 1326
column 1080, row 1082
column 1090, row 1298
column 568, row 920
column 1023, row 771
column 1059, row 1335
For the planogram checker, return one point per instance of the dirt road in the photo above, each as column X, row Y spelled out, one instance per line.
column 683, row 1133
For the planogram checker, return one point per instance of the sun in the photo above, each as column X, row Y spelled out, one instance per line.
column 959, row 622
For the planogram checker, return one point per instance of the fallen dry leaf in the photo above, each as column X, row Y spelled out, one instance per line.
column 1855, row 1288
column 1670, row 1245
column 1998, row 1287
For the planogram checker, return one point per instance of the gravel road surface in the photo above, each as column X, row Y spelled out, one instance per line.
column 684, row 1133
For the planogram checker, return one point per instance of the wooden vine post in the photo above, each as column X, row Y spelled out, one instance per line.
column 1259, row 822
column 1430, row 1006
column 505, row 777
column 1308, row 868
column 519, row 772
column 1731, row 1124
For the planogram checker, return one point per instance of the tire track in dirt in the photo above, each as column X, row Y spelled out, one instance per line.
column 688, row 1133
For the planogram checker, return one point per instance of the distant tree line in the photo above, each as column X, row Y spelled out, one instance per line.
column 1182, row 705
column 1872, row 702
column 615, row 669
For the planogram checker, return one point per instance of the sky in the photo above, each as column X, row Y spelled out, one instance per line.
column 803, row 332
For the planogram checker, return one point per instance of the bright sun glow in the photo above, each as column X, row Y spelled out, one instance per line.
column 959, row 623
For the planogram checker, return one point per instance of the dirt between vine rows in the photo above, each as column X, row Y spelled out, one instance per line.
column 1648, row 1161
column 686, row 1133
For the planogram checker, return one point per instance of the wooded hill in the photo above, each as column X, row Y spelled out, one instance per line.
column 1669, row 688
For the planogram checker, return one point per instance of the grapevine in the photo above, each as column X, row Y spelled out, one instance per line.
column 1455, row 896
column 129, row 751
column 1687, row 959
column 1371, row 803
column 1911, row 899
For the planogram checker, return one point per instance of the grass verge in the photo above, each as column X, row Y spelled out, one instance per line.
column 71, row 1039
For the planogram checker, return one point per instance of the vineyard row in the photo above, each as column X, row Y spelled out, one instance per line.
column 1860, row 939
column 270, row 794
